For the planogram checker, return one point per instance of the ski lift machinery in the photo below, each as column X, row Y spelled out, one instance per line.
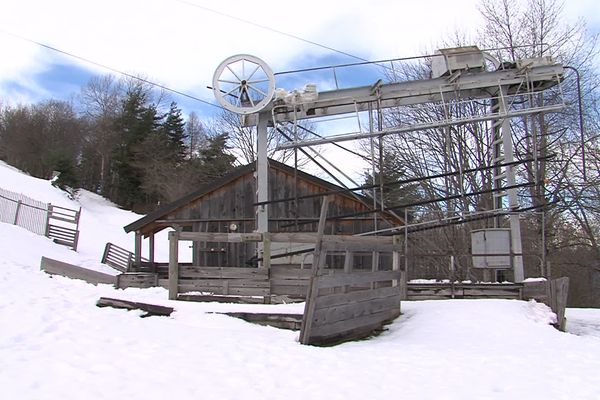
column 245, row 84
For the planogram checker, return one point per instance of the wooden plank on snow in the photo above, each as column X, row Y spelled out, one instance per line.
column 150, row 309
column 55, row 267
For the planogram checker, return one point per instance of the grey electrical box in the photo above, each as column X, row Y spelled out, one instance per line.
column 491, row 248
column 446, row 61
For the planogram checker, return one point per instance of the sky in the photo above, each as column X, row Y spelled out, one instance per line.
column 56, row 344
column 180, row 43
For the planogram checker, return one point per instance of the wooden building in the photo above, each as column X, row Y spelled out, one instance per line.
column 229, row 205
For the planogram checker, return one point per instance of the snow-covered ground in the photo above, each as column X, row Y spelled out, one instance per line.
column 56, row 344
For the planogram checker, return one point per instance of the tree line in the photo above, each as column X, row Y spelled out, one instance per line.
column 120, row 138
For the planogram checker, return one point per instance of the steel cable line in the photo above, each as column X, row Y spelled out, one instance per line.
column 87, row 60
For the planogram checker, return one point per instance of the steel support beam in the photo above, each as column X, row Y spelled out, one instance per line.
column 262, row 175
column 503, row 137
column 472, row 85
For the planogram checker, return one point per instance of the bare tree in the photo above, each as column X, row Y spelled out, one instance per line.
column 518, row 31
column 533, row 29
column 196, row 133
column 242, row 139
column 41, row 138
column 100, row 102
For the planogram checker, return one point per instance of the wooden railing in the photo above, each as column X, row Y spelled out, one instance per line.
column 118, row 257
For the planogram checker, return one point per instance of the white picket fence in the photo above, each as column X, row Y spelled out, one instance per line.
column 40, row 218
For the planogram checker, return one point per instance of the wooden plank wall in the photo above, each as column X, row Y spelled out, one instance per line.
column 140, row 280
column 224, row 280
column 289, row 280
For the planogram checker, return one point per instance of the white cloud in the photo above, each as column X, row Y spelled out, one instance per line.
column 180, row 45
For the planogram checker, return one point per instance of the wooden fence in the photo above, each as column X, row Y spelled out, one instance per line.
column 58, row 223
column 23, row 211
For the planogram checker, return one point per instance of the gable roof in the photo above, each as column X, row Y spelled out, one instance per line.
column 230, row 177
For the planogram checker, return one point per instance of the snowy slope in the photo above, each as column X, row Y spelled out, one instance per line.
column 56, row 344
column 101, row 221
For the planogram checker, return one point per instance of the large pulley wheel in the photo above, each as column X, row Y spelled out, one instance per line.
column 243, row 84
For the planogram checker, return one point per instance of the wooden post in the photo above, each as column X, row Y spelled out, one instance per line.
column 348, row 267
column 173, row 264
column 395, row 258
column 106, row 251
column 397, row 264
column 151, row 245
column 374, row 266
column 559, row 290
column 318, row 263
column 452, row 288
column 48, row 215
column 266, row 262
column 138, row 249
column 77, row 215
column 19, row 202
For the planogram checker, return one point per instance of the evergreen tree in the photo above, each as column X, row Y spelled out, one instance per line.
column 174, row 128
column 67, row 179
column 137, row 121
column 215, row 159
column 394, row 195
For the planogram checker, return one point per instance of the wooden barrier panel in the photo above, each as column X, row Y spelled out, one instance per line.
column 353, row 304
column 56, row 267
column 350, row 306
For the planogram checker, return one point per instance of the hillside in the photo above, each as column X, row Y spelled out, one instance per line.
column 56, row 344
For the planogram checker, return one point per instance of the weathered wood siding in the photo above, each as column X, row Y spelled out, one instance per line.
column 140, row 280
column 224, row 281
column 233, row 203
column 290, row 280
